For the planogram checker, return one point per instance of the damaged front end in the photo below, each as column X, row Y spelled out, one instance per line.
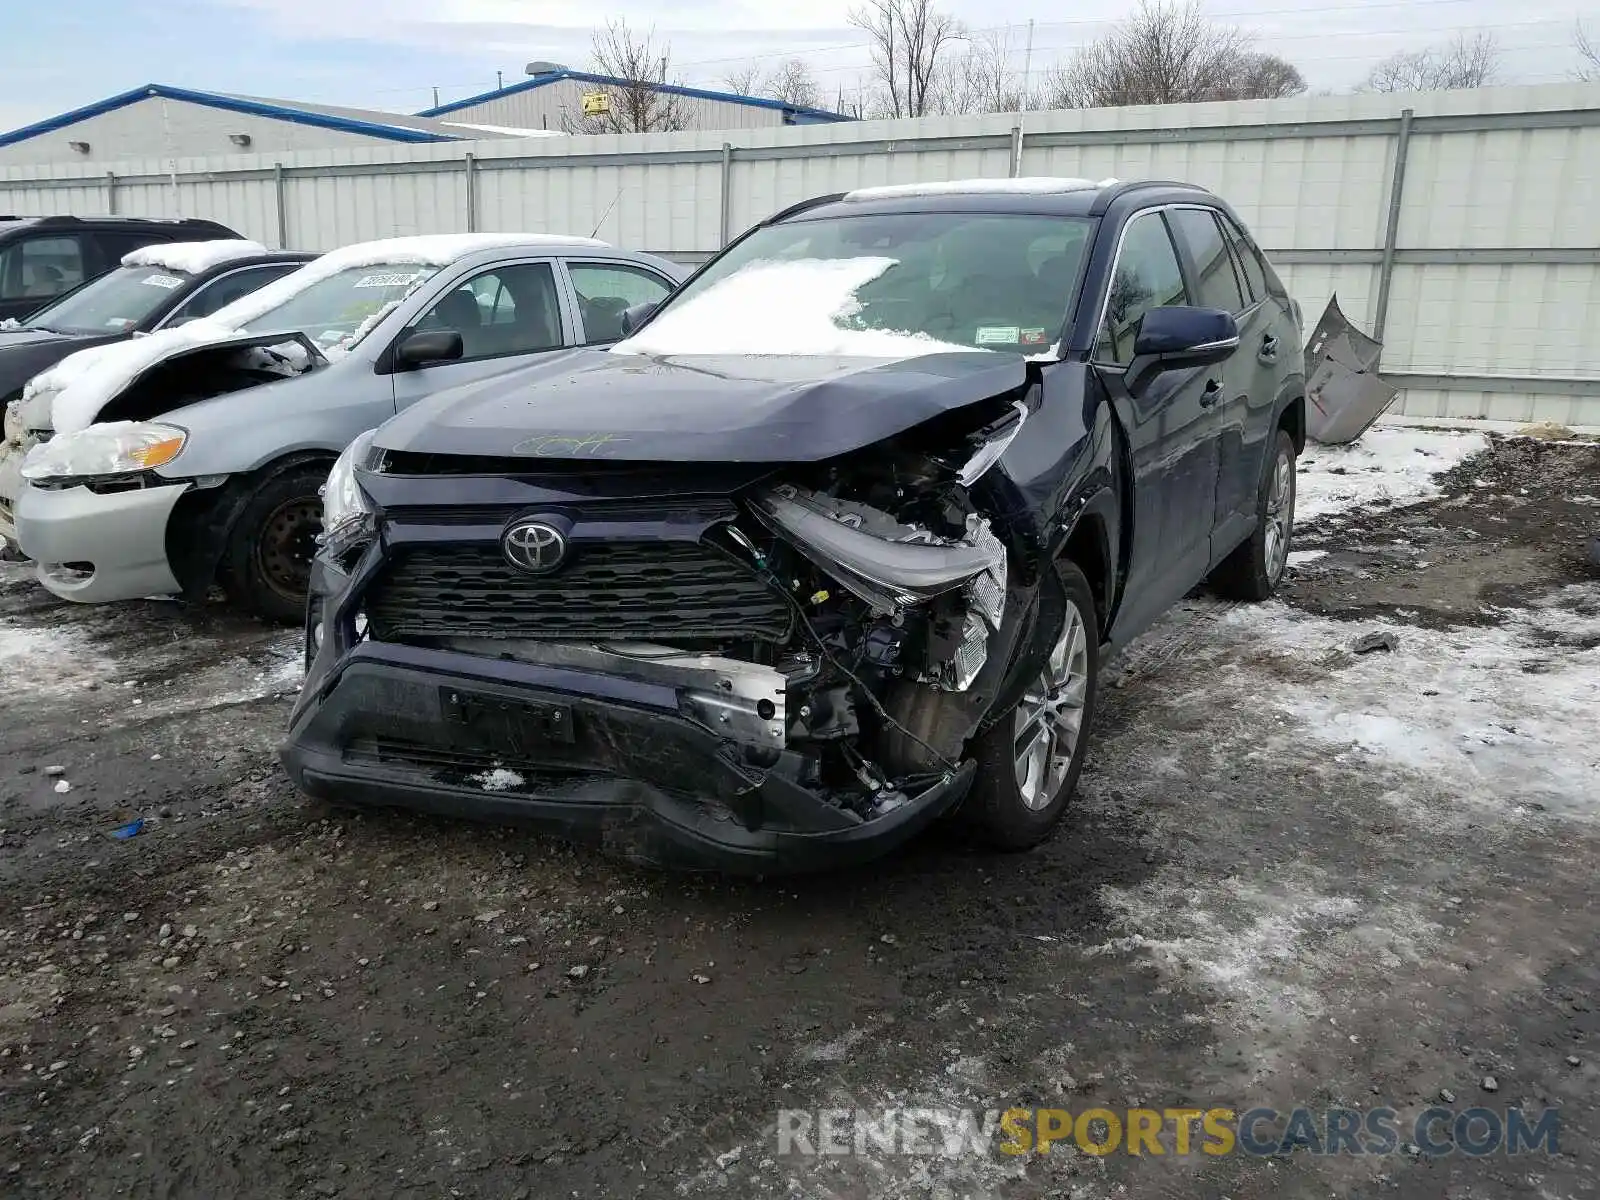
column 746, row 668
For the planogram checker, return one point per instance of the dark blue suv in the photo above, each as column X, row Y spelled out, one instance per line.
column 830, row 546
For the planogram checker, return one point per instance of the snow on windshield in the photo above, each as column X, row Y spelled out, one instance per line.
column 802, row 306
column 192, row 258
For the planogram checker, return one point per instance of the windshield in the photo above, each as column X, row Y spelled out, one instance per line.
column 114, row 303
column 892, row 284
column 339, row 310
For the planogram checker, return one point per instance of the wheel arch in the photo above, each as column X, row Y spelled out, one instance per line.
column 204, row 518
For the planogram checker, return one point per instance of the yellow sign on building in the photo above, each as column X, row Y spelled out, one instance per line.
column 595, row 103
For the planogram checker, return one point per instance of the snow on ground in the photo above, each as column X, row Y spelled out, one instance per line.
column 192, row 258
column 1497, row 718
column 1391, row 463
column 735, row 315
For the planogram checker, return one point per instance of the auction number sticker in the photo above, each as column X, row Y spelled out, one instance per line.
column 386, row 281
column 998, row 335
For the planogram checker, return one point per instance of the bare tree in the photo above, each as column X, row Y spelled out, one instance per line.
column 982, row 79
column 793, row 83
column 1588, row 49
column 746, row 81
column 909, row 38
column 636, row 105
column 1463, row 62
column 1262, row 77
column 1168, row 53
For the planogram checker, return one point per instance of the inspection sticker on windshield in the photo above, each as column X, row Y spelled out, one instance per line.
column 391, row 280
column 998, row 335
column 1035, row 337
column 162, row 281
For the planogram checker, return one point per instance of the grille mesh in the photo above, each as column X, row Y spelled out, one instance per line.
column 614, row 591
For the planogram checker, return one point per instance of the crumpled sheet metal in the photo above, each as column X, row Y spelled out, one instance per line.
column 1344, row 394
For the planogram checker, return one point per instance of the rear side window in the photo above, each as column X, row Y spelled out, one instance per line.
column 41, row 268
column 225, row 291
column 1249, row 258
column 1146, row 276
column 606, row 289
column 1215, row 277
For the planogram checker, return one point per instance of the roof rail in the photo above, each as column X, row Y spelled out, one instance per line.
column 1112, row 194
column 793, row 209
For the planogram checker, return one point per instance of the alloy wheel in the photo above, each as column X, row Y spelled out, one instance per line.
column 1049, row 719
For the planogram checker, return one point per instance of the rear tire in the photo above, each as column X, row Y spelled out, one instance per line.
column 1256, row 568
column 267, row 564
column 1029, row 761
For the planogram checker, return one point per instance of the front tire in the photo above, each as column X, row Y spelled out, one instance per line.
column 266, row 567
column 1256, row 568
column 1029, row 761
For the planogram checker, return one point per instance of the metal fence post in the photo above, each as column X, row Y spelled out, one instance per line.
column 1016, row 151
column 111, row 193
column 727, row 191
column 1391, row 232
column 472, row 192
column 279, row 191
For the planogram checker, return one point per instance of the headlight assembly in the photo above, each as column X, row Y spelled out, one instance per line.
column 116, row 448
column 346, row 514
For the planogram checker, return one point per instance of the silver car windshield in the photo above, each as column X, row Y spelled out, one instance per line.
column 114, row 303
column 337, row 311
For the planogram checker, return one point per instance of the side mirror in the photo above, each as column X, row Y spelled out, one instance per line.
column 1186, row 337
column 429, row 346
column 636, row 315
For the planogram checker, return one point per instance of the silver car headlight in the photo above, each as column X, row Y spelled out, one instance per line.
column 347, row 516
column 116, row 448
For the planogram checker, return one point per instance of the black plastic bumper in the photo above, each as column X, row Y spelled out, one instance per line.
column 598, row 758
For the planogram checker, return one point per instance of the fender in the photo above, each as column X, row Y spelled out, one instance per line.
column 204, row 520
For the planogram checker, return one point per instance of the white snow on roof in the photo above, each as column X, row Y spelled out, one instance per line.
column 781, row 308
column 506, row 130
column 192, row 258
column 1034, row 185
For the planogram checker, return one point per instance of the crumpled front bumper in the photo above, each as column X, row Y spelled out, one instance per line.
column 593, row 756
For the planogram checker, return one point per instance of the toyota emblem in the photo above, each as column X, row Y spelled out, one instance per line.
column 534, row 546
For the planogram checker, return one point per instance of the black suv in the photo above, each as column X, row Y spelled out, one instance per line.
column 45, row 257
column 831, row 546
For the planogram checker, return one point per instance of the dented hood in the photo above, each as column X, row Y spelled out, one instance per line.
column 791, row 408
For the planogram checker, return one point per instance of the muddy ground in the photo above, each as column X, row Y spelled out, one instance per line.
column 1293, row 876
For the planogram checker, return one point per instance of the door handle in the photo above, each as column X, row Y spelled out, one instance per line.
column 1269, row 348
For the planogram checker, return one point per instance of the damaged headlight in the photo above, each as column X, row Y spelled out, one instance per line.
column 116, row 448
column 346, row 514
column 887, row 564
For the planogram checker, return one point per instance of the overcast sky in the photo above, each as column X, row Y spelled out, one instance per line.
column 59, row 55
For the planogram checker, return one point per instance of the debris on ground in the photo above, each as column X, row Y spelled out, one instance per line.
column 1379, row 640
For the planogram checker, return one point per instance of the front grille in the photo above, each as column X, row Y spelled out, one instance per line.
column 612, row 591
column 461, row 763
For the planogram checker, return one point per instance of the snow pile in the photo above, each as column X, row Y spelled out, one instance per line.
column 507, row 130
column 78, row 386
column 498, row 780
column 782, row 308
column 1027, row 185
column 192, row 258
column 1391, row 463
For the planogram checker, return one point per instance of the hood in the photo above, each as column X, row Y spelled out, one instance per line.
column 621, row 407
column 26, row 352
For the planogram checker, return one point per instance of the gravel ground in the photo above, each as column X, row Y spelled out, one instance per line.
column 1294, row 876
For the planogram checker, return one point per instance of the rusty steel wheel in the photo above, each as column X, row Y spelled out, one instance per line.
column 267, row 563
column 287, row 543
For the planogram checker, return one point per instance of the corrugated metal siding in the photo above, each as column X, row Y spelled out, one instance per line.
column 159, row 126
column 550, row 107
column 1312, row 177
